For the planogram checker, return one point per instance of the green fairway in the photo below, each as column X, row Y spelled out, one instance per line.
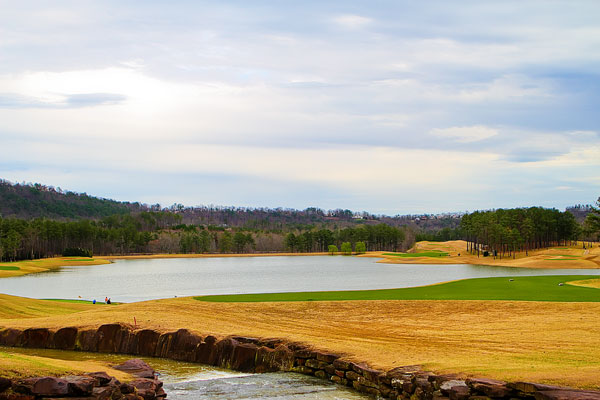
column 524, row 288
column 432, row 253
column 77, row 301
column 9, row 268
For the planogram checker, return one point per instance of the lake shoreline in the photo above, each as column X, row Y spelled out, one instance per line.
column 456, row 254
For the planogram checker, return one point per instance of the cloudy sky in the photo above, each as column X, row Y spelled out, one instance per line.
column 386, row 106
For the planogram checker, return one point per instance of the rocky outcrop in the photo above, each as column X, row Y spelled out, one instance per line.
column 262, row 355
column 92, row 386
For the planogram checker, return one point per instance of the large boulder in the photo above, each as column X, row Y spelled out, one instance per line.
column 222, row 354
column 279, row 359
column 36, row 338
column 244, row 357
column 110, row 337
column 44, row 386
column 87, row 340
column 80, row 385
column 149, row 389
column 137, row 368
column 490, row 387
column 105, row 393
column 145, row 342
column 101, row 377
column 65, row 338
column 163, row 346
column 205, row 349
column 11, row 337
column 183, row 345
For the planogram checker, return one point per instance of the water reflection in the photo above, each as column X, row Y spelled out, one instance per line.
column 138, row 280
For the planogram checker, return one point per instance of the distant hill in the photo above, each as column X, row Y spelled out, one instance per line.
column 35, row 200
column 580, row 211
column 29, row 201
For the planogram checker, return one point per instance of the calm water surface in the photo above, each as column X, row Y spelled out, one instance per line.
column 187, row 381
column 138, row 280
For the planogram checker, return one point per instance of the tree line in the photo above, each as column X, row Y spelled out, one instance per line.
column 507, row 231
column 374, row 237
column 152, row 232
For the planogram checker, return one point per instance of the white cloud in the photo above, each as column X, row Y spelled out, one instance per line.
column 465, row 134
column 349, row 21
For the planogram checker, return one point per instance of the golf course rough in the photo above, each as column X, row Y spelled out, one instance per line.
column 269, row 355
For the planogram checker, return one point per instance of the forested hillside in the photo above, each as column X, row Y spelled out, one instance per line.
column 36, row 200
column 41, row 221
column 29, row 201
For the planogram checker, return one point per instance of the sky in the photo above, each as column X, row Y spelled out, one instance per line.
column 391, row 107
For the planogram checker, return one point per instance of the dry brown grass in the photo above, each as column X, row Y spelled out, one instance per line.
column 15, row 366
column 46, row 264
column 21, row 307
column 591, row 283
column 574, row 257
column 145, row 256
column 557, row 343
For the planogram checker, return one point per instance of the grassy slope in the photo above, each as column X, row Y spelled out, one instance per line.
column 433, row 253
column 8, row 269
column 530, row 288
column 21, row 307
column 570, row 257
column 14, row 366
column 550, row 342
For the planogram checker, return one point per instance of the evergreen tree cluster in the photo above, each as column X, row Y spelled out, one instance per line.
column 506, row 231
column 373, row 237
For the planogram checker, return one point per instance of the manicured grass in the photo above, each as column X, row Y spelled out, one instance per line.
column 525, row 288
column 77, row 301
column 431, row 253
column 9, row 268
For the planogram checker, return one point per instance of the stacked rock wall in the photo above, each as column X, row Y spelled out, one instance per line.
column 92, row 386
column 258, row 355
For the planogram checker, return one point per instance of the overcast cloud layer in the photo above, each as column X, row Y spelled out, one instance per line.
column 387, row 106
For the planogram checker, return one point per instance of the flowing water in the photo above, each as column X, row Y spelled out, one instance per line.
column 147, row 279
column 187, row 381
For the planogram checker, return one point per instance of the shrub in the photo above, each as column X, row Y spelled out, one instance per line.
column 332, row 248
column 360, row 248
column 346, row 248
column 76, row 252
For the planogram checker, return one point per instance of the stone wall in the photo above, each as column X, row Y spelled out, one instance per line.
column 91, row 386
column 270, row 355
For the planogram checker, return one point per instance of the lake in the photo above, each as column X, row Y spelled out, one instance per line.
column 147, row 279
